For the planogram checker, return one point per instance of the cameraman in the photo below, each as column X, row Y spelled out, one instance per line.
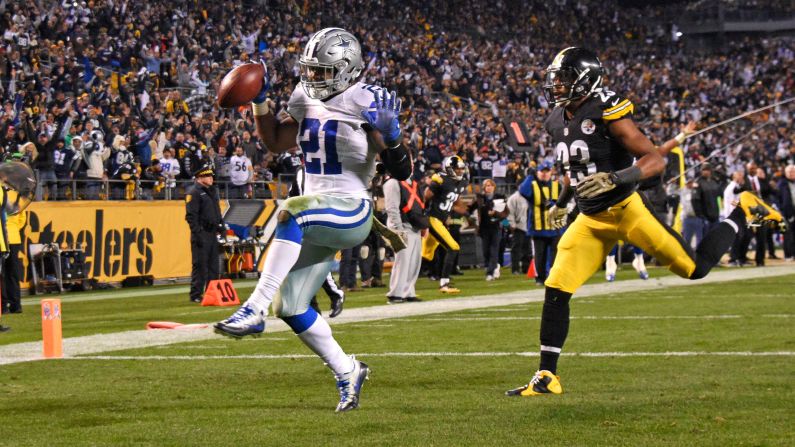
column 203, row 214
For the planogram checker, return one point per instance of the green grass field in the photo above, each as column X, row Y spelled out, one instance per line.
column 437, row 379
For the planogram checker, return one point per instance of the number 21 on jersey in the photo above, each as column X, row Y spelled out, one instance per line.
column 320, row 159
column 576, row 160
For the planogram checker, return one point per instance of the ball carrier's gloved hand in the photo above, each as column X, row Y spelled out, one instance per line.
column 386, row 118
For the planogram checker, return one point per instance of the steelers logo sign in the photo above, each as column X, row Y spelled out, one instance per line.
column 588, row 127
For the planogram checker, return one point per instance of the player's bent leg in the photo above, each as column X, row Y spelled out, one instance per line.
column 581, row 249
column 336, row 222
column 430, row 242
column 641, row 226
column 283, row 253
column 443, row 237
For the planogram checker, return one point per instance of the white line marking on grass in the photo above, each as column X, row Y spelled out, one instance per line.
column 93, row 344
column 586, row 317
column 440, row 354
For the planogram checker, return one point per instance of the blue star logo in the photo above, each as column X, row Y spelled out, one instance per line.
column 343, row 43
column 346, row 46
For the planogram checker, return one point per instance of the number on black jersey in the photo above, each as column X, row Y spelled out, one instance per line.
column 576, row 160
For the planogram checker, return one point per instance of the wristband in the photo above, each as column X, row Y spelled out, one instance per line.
column 261, row 108
column 626, row 176
column 680, row 137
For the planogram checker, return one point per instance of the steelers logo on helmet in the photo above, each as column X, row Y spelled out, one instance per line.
column 454, row 167
column 587, row 126
column 574, row 73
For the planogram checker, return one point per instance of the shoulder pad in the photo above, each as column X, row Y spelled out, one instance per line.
column 296, row 106
column 437, row 178
column 363, row 95
column 612, row 105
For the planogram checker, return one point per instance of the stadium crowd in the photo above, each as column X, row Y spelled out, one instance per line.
column 97, row 95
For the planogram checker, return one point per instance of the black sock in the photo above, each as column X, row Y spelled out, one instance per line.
column 554, row 327
column 717, row 242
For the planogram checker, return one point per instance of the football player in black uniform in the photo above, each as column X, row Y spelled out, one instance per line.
column 604, row 155
column 441, row 195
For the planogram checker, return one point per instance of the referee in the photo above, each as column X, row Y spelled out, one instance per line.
column 203, row 214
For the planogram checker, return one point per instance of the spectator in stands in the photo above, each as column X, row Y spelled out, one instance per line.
column 240, row 173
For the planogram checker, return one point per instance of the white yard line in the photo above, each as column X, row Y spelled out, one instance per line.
column 443, row 354
column 94, row 344
column 588, row 317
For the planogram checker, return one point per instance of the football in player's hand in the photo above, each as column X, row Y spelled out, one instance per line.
column 240, row 85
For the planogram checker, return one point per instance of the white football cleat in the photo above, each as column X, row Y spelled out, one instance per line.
column 350, row 386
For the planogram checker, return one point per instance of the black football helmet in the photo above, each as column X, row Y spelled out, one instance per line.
column 451, row 163
column 577, row 69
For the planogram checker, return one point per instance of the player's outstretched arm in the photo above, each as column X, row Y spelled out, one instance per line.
column 387, row 135
column 278, row 136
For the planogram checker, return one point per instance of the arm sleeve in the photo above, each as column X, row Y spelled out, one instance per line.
column 397, row 162
column 392, row 204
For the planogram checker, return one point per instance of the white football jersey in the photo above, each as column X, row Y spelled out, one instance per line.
column 239, row 169
column 170, row 167
column 337, row 156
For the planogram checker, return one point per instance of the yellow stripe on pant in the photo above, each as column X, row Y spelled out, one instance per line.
column 437, row 234
column 584, row 245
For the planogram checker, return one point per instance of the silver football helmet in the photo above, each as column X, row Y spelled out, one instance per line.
column 330, row 63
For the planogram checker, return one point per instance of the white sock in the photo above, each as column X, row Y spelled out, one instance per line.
column 319, row 339
column 282, row 255
column 610, row 265
column 639, row 264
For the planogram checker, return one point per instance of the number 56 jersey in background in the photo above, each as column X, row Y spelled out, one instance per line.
column 583, row 145
column 339, row 160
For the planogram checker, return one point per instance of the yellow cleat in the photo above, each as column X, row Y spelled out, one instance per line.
column 756, row 210
column 448, row 289
column 543, row 382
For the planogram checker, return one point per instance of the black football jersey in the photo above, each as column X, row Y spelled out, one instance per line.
column 446, row 191
column 583, row 145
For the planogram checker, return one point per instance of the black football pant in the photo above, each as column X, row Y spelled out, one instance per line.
column 520, row 252
column 12, row 269
column 544, row 251
column 204, row 262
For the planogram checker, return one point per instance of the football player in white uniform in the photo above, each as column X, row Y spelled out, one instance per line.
column 340, row 125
